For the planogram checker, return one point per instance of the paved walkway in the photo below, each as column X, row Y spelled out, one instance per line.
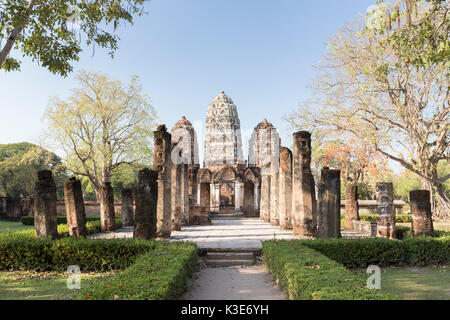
column 229, row 233
column 233, row 283
column 243, row 233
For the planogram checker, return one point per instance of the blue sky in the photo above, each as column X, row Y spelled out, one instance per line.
column 260, row 52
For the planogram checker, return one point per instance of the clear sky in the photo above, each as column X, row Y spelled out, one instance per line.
column 260, row 52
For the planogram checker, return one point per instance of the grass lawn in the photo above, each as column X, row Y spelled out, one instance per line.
column 30, row 285
column 413, row 283
column 8, row 226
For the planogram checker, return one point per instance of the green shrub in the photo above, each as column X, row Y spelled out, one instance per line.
column 161, row 274
column 28, row 253
column 92, row 225
column 402, row 232
column 423, row 251
column 29, row 221
column 303, row 273
column 374, row 217
column 360, row 253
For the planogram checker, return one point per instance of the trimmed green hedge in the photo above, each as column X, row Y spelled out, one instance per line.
column 360, row 253
column 403, row 232
column 29, row 221
column 404, row 217
column 27, row 253
column 161, row 274
column 93, row 226
column 305, row 274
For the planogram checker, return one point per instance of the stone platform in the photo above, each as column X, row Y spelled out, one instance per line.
column 232, row 234
column 225, row 234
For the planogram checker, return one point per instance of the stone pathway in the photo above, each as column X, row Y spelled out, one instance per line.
column 228, row 283
column 125, row 232
column 233, row 283
column 238, row 233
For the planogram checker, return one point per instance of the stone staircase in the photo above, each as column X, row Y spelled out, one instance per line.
column 227, row 257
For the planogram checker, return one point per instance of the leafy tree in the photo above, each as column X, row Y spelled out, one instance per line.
column 53, row 32
column 19, row 164
column 125, row 177
column 103, row 125
column 384, row 82
column 404, row 183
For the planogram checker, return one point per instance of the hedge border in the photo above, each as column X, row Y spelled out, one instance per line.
column 162, row 274
column 360, row 253
column 305, row 274
column 29, row 220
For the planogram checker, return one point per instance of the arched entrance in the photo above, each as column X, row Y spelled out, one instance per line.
column 226, row 178
column 252, row 192
column 205, row 193
column 249, row 199
column 227, row 194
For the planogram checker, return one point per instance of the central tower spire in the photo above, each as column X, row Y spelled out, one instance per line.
column 223, row 142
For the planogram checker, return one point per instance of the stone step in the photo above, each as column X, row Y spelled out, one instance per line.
column 230, row 255
column 255, row 251
column 229, row 263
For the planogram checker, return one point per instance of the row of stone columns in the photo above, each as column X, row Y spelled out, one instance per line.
column 285, row 189
column 146, row 204
column 329, row 204
column 420, row 206
column 288, row 191
column 304, row 212
column 153, row 200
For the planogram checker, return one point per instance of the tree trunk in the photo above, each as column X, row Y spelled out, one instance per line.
column 14, row 34
column 440, row 203
column 107, row 212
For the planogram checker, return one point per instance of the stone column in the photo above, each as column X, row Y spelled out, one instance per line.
column 199, row 194
column 176, row 196
column 329, row 204
column 185, row 202
column 74, row 204
column 107, row 211
column 212, row 197
column 304, row 210
column 238, row 196
column 163, row 164
column 274, row 184
column 421, row 223
column 194, row 189
column 285, row 188
column 351, row 206
column 216, row 196
column 256, row 196
column 146, row 204
column 385, row 209
column 265, row 198
column 45, row 224
column 127, row 208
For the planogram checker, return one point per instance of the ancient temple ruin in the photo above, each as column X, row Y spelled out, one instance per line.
column 229, row 184
column 226, row 184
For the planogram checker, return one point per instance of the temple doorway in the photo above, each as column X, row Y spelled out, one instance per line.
column 205, row 194
column 249, row 199
column 227, row 194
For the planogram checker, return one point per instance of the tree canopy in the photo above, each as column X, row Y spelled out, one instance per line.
column 19, row 164
column 53, row 33
column 384, row 83
column 104, row 124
